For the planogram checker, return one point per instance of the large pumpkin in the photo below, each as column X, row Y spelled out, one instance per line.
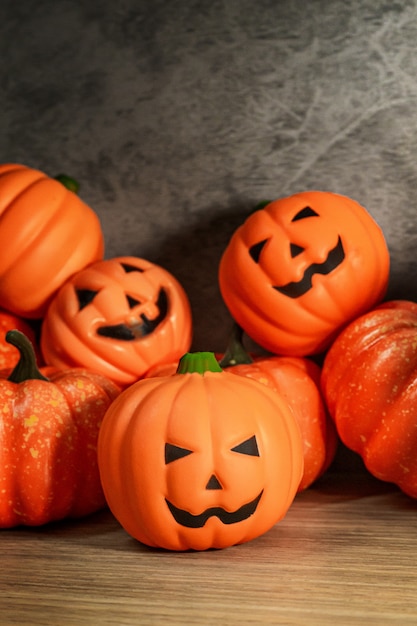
column 119, row 317
column 201, row 459
column 369, row 380
column 47, row 233
column 48, row 441
column 300, row 268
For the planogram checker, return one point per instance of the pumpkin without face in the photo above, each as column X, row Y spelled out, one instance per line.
column 201, row 459
column 46, row 234
column 369, row 380
column 48, row 441
column 9, row 354
column 119, row 317
column 299, row 269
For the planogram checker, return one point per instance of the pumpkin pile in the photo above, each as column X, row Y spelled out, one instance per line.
column 195, row 450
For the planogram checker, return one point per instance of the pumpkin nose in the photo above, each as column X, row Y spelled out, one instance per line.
column 213, row 483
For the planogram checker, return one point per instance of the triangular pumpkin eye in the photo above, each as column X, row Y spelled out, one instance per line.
column 249, row 447
column 295, row 250
column 173, row 452
column 85, row 296
column 256, row 249
column 132, row 302
column 306, row 212
column 130, row 268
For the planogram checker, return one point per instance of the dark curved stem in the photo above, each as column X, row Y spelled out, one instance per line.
column 235, row 352
column 26, row 368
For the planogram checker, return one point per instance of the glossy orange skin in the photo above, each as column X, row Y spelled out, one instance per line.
column 369, row 380
column 295, row 247
column 69, row 336
column 47, row 233
column 48, row 447
column 209, row 415
column 298, row 381
column 9, row 355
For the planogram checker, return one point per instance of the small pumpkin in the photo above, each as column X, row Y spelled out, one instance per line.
column 48, row 441
column 119, row 317
column 369, row 381
column 47, row 233
column 201, row 459
column 297, row 379
column 9, row 354
column 300, row 268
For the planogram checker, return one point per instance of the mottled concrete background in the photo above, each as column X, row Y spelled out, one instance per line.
column 178, row 116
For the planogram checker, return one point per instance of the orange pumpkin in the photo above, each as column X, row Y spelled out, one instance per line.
column 46, row 234
column 9, row 354
column 119, row 317
column 300, row 268
column 48, row 441
column 369, row 380
column 202, row 459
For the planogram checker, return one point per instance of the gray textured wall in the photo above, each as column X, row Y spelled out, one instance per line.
column 177, row 117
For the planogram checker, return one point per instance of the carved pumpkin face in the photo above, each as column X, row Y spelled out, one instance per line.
column 302, row 267
column 119, row 317
column 199, row 460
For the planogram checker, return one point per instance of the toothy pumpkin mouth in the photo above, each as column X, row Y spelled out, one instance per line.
column 197, row 521
column 124, row 332
column 334, row 259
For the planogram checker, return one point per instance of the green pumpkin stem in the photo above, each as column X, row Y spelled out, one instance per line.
column 26, row 368
column 68, row 182
column 235, row 352
column 198, row 362
column 261, row 205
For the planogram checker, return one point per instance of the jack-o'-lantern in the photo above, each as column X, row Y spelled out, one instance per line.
column 118, row 317
column 300, row 268
column 200, row 459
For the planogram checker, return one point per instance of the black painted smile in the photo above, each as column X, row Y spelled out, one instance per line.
column 197, row 521
column 299, row 288
column 123, row 332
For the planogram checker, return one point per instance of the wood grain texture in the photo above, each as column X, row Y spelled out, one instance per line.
column 345, row 554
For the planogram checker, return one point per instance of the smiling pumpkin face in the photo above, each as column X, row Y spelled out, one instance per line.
column 198, row 461
column 300, row 268
column 119, row 317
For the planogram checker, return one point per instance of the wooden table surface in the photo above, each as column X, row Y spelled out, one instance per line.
column 346, row 553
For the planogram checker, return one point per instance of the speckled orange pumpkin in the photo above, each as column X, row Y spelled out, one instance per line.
column 119, row 317
column 48, row 441
column 47, row 233
column 301, row 268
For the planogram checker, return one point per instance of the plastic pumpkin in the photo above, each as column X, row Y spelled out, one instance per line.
column 300, row 268
column 47, row 233
column 119, row 317
column 202, row 459
column 48, row 441
column 369, row 380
